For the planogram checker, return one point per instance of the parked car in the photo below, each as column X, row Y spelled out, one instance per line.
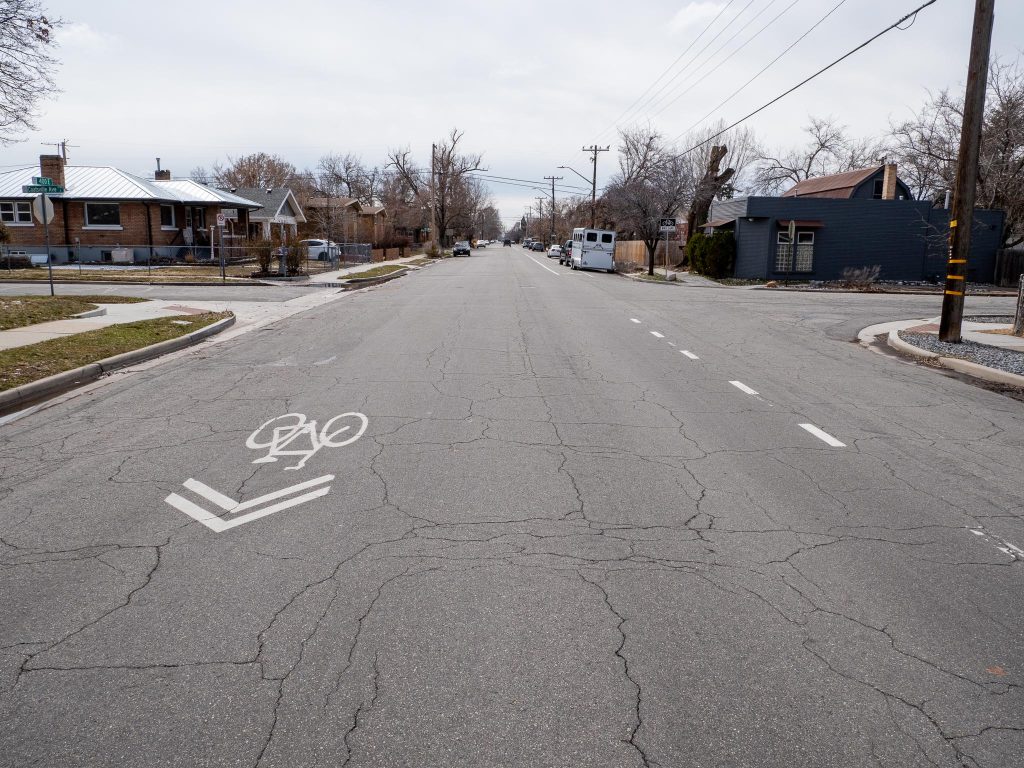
column 321, row 250
column 461, row 248
column 556, row 251
column 537, row 245
column 482, row 243
column 508, row 242
column 527, row 242
column 566, row 253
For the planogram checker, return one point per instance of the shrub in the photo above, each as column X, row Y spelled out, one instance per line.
column 861, row 278
column 711, row 255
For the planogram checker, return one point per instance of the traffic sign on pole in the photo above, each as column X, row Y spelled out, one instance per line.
column 37, row 189
column 667, row 225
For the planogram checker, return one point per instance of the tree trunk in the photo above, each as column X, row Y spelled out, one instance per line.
column 1018, row 321
column 708, row 187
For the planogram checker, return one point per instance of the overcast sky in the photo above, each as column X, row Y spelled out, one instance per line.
column 529, row 82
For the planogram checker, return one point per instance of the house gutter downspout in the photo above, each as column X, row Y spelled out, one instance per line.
column 149, row 233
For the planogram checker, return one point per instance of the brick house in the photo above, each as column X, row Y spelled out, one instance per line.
column 110, row 215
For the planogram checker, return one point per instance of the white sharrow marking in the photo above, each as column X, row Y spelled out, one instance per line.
column 549, row 269
column 657, row 335
column 633, row 320
column 823, row 435
column 1012, row 551
column 743, row 387
column 689, row 354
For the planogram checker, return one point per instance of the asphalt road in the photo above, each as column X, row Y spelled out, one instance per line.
column 560, row 540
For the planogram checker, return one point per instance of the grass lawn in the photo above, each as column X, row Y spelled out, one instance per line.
column 22, row 365
column 419, row 262
column 19, row 311
column 387, row 269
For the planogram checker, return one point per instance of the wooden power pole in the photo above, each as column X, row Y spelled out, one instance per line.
column 961, row 217
column 593, row 183
column 553, row 179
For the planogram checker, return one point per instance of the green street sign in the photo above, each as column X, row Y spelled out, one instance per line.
column 36, row 189
column 43, row 181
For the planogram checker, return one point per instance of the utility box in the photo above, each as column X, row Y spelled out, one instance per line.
column 122, row 255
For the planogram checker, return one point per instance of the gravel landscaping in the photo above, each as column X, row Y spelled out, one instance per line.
column 1005, row 319
column 1004, row 359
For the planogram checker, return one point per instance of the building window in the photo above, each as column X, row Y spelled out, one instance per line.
column 804, row 261
column 167, row 216
column 879, row 189
column 102, row 215
column 16, row 212
column 783, row 253
column 199, row 218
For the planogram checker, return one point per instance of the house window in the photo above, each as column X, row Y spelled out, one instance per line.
column 879, row 189
column 199, row 218
column 167, row 216
column 16, row 212
column 102, row 215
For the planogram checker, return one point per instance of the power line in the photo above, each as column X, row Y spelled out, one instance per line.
column 653, row 103
column 803, row 82
column 742, row 46
column 764, row 69
column 666, row 70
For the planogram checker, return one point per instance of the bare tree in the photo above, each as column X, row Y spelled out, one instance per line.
column 457, row 194
column 347, row 175
column 830, row 150
column 200, row 174
column 256, row 170
column 653, row 181
column 926, row 147
column 26, row 65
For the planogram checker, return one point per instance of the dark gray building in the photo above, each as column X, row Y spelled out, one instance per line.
column 856, row 219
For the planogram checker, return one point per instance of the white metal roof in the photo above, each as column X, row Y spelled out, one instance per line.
column 87, row 182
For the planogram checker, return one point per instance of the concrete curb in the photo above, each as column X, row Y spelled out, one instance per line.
column 91, row 313
column 352, row 283
column 60, row 382
column 955, row 363
column 792, row 289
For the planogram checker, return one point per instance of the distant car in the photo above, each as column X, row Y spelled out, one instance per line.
column 527, row 242
column 537, row 245
column 482, row 243
column 556, row 251
column 461, row 248
column 321, row 250
column 508, row 242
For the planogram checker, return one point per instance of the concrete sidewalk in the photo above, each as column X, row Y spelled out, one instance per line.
column 971, row 331
column 113, row 314
column 341, row 274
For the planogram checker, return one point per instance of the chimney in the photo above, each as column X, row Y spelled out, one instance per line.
column 889, row 182
column 162, row 175
column 52, row 167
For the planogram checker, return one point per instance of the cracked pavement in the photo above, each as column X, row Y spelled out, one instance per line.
column 560, row 542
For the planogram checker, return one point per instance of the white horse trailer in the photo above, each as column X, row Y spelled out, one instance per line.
column 593, row 249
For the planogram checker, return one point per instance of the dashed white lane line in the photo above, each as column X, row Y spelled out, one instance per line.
column 543, row 266
column 823, row 435
column 1012, row 551
column 671, row 343
column 657, row 335
column 634, row 320
column 744, row 388
column 689, row 354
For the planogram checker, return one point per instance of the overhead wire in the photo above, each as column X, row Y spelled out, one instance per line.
column 764, row 69
column 654, row 103
column 806, row 80
column 723, row 61
column 667, row 69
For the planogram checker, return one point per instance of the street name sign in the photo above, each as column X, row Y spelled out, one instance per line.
column 39, row 189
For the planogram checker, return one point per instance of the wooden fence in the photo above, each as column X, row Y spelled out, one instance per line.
column 634, row 253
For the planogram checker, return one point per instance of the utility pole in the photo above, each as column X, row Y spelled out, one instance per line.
column 593, row 181
column 433, row 199
column 553, row 179
column 962, row 213
column 540, row 213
